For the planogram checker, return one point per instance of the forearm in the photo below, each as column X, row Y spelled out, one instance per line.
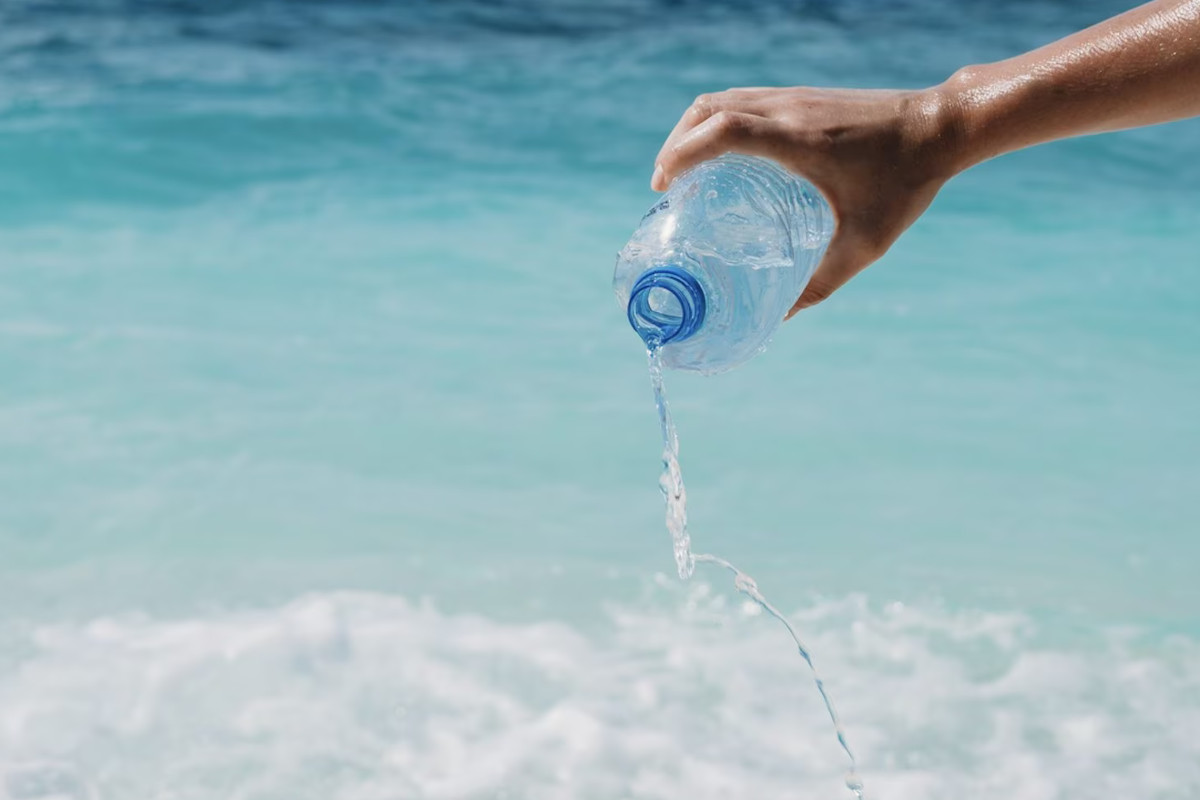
column 1139, row 68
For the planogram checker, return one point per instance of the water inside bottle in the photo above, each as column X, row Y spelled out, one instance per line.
column 675, row 495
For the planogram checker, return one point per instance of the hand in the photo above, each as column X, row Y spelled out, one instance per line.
column 878, row 157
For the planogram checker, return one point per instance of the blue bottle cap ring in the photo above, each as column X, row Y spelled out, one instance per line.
column 658, row 327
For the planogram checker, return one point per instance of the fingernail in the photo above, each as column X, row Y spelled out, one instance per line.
column 657, row 178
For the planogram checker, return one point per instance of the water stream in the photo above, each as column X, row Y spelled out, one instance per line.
column 675, row 494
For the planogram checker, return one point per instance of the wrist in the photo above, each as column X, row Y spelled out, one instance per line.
column 938, row 131
column 981, row 108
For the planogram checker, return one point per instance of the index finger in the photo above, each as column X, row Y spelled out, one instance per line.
column 701, row 110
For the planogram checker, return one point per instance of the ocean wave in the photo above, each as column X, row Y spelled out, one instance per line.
column 364, row 696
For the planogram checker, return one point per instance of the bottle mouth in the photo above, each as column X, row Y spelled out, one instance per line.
column 666, row 305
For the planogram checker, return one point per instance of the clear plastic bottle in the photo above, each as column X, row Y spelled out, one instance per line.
column 715, row 265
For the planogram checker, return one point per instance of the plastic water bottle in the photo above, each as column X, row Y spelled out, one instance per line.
column 715, row 265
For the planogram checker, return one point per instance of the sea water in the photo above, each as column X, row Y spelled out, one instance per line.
column 675, row 495
column 323, row 461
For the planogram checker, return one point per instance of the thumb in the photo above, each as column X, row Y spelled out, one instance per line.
column 844, row 259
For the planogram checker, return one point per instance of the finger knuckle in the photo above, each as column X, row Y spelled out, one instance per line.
column 736, row 127
column 729, row 125
column 703, row 106
column 814, row 294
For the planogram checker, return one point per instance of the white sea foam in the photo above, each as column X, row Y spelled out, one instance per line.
column 371, row 697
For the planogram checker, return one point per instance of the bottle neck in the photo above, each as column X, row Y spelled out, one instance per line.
column 666, row 305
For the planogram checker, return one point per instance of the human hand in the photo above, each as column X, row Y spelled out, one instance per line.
column 878, row 157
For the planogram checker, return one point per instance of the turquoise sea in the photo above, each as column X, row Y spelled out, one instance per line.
column 328, row 462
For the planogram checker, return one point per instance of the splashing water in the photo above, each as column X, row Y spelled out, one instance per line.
column 675, row 494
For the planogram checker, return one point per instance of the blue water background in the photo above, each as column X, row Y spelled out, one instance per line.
column 330, row 280
column 300, row 297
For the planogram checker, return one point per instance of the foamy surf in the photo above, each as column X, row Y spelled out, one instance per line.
column 369, row 696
